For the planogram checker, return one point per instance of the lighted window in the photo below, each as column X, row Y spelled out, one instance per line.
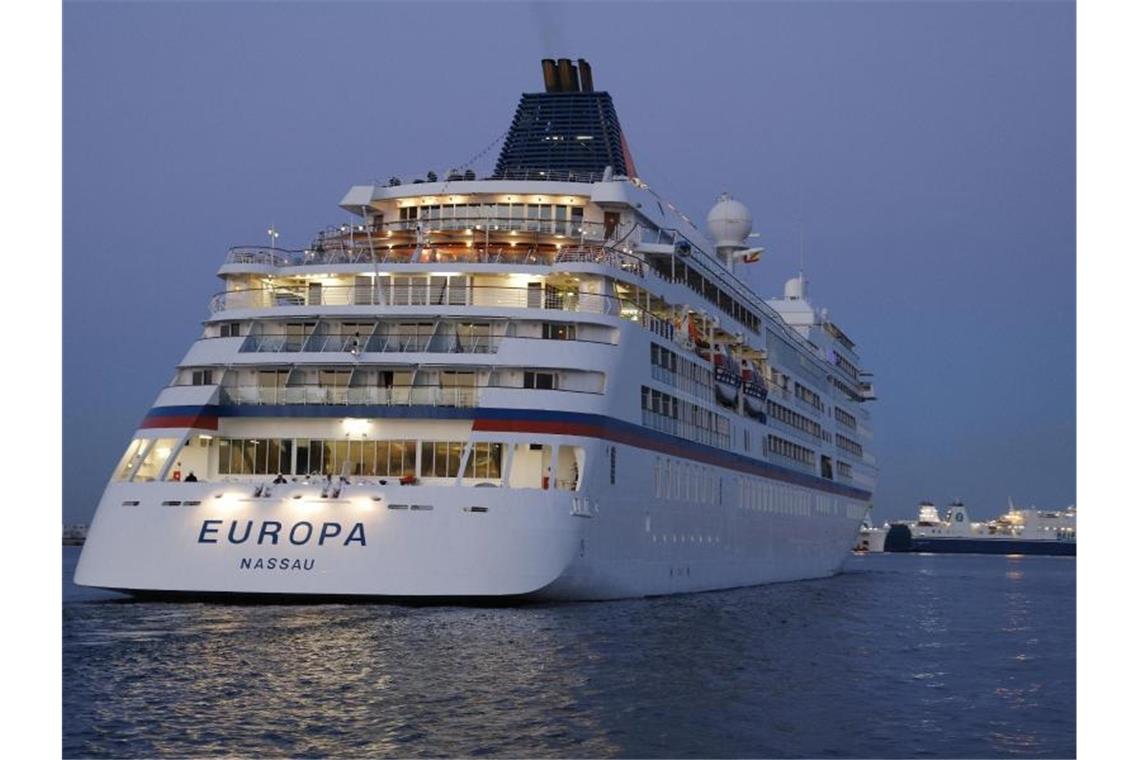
column 558, row 331
column 485, row 460
column 131, row 458
column 155, row 458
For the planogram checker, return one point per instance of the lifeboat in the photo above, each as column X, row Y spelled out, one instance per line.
column 755, row 390
column 726, row 374
column 688, row 336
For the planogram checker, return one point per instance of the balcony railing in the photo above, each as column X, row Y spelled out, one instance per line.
column 395, row 342
column 481, row 240
column 490, row 238
column 315, row 394
column 490, row 296
column 396, row 395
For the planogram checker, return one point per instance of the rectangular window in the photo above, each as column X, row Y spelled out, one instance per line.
column 401, row 458
column 534, row 295
column 303, row 457
column 539, row 380
column 230, row 329
column 202, row 377
column 224, row 457
column 457, row 287
column 382, row 454
column 558, row 331
column 367, row 458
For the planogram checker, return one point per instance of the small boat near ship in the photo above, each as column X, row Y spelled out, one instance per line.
column 74, row 535
column 1018, row 531
column 871, row 540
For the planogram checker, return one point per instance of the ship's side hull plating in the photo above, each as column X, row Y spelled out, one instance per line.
column 451, row 542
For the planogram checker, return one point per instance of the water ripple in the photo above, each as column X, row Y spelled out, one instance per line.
column 904, row 656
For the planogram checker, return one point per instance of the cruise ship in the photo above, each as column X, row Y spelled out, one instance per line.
column 1018, row 531
column 543, row 383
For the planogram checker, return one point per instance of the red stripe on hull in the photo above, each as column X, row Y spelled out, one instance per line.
column 183, row 421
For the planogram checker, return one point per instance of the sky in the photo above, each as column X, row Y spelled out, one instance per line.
column 923, row 151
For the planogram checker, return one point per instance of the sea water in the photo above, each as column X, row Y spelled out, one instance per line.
column 899, row 656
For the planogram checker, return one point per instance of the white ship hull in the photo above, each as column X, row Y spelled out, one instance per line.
column 528, row 543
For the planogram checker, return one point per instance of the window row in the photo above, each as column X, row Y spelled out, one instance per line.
column 849, row 368
column 794, row 419
column 479, row 212
column 757, row 495
column 845, row 418
column 777, row 445
column 805, row 394
column 675, row 269
column 395, row 458
column 667, row 413
column 686, row 481
column 685, row 375
column 849, row 445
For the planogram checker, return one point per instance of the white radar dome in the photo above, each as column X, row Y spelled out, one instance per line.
column 730, row 222
column 794, row 288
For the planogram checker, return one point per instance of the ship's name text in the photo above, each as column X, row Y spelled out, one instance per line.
column 272, row 532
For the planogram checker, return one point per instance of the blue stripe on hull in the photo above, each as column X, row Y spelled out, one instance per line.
column 609, row 428
column 992, row 546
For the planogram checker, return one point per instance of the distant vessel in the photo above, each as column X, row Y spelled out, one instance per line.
column 871, row 540
column 1018, row 531
column 74, row 535
column 529, row 384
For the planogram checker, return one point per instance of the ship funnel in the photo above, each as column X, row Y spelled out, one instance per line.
column 567, row 75
column 550, row 74
column 586, row 75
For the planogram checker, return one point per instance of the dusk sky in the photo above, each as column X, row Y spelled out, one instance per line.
column 926, row 149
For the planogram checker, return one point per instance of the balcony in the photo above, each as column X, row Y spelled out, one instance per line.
column 417, row 294
column 470, row 239
column 372, row 396
column 396, row 395
column 393, row 342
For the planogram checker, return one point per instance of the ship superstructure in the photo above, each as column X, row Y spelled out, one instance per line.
column 1018, row 531
column 535, row 384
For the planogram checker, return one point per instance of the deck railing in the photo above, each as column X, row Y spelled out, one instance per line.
column 316, row 394
column 393, row 342
column 395, row 241
column 415, row 294
column 396, row 395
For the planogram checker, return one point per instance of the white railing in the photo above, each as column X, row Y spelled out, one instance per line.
column 395, row 241
column 416, row 295
column 312, row 394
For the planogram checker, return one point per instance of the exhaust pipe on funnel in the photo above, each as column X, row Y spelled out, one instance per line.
column 567, row 75
column 586, row 75
column 550, row 74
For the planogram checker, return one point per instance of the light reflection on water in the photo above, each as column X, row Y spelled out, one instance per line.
column 902, row 656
